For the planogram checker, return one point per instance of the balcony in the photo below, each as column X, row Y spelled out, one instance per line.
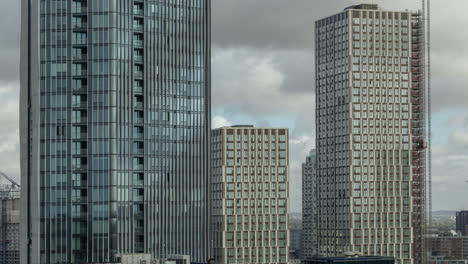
column 416, row 47
column 79, row 7
column 80, row 74
column 139, row 105
column 416, row 93
column 82, row 120
column 138, row 182
column 138, row 136
column 417, row 124
column 80, row 167
column 80, row 41
column 80, row 136
column 82, row 104
column 138, row 89
column 139, row 121
column 138, row 74
column 82, row 216
column 80, row 26
column 79, row 10
column 138, row 10
column 417, row 78
column 416, row 33
column 80, row 184
column 138, row 59
column 80, row 57
column 138, row 198
column 137, row 42
column 416, row 40
column 138, row 149
column 81, row 152
column 80, row 199
column 138, row 167
column 137, row 27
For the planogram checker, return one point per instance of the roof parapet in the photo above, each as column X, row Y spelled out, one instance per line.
column 364, row 6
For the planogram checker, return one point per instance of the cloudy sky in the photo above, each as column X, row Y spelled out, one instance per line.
column 263, row 74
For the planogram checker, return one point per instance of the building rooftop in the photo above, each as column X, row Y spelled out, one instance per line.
column 243, row 126
column 364, row 6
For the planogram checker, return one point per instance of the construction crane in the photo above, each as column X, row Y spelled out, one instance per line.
column 8, row 192
column 14, row 184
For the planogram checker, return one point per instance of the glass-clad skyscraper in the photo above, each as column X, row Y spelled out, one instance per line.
column 115, row 129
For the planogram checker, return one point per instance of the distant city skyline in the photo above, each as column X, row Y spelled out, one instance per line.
column 274, row 60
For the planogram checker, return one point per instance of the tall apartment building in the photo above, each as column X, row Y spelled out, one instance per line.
column 309, row 206
column 250, row 193
column 371, row 136
column 115, row 128
column 462, row 222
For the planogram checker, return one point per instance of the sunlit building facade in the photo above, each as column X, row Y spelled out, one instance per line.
column 250, row 195
column 371, row 135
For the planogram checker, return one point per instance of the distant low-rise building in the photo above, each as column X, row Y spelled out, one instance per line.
column 349, row 260
column 442, row 260
column 448, row 250
column 449, row 247
column 296, row 243
column 147, row 259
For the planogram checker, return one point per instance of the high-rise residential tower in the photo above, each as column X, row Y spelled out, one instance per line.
column 250, row 193
column 115, row 129
column 371, row 133
column 309, row 206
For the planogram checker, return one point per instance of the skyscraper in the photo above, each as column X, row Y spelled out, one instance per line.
column 250, row 195
column 371, row 133
column 115, row 129
column 309, row 206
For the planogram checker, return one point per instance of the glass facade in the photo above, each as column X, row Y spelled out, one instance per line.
column 121, row 161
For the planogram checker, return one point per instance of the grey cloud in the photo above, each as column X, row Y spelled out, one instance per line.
column 9, row 40
column 299, row 70
column 286, row 29
column 245, row 81
column 276, row 24
column 9, row 140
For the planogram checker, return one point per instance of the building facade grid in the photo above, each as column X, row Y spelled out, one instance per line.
column 250, row 195
column 115, row 128
column 369, row 192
